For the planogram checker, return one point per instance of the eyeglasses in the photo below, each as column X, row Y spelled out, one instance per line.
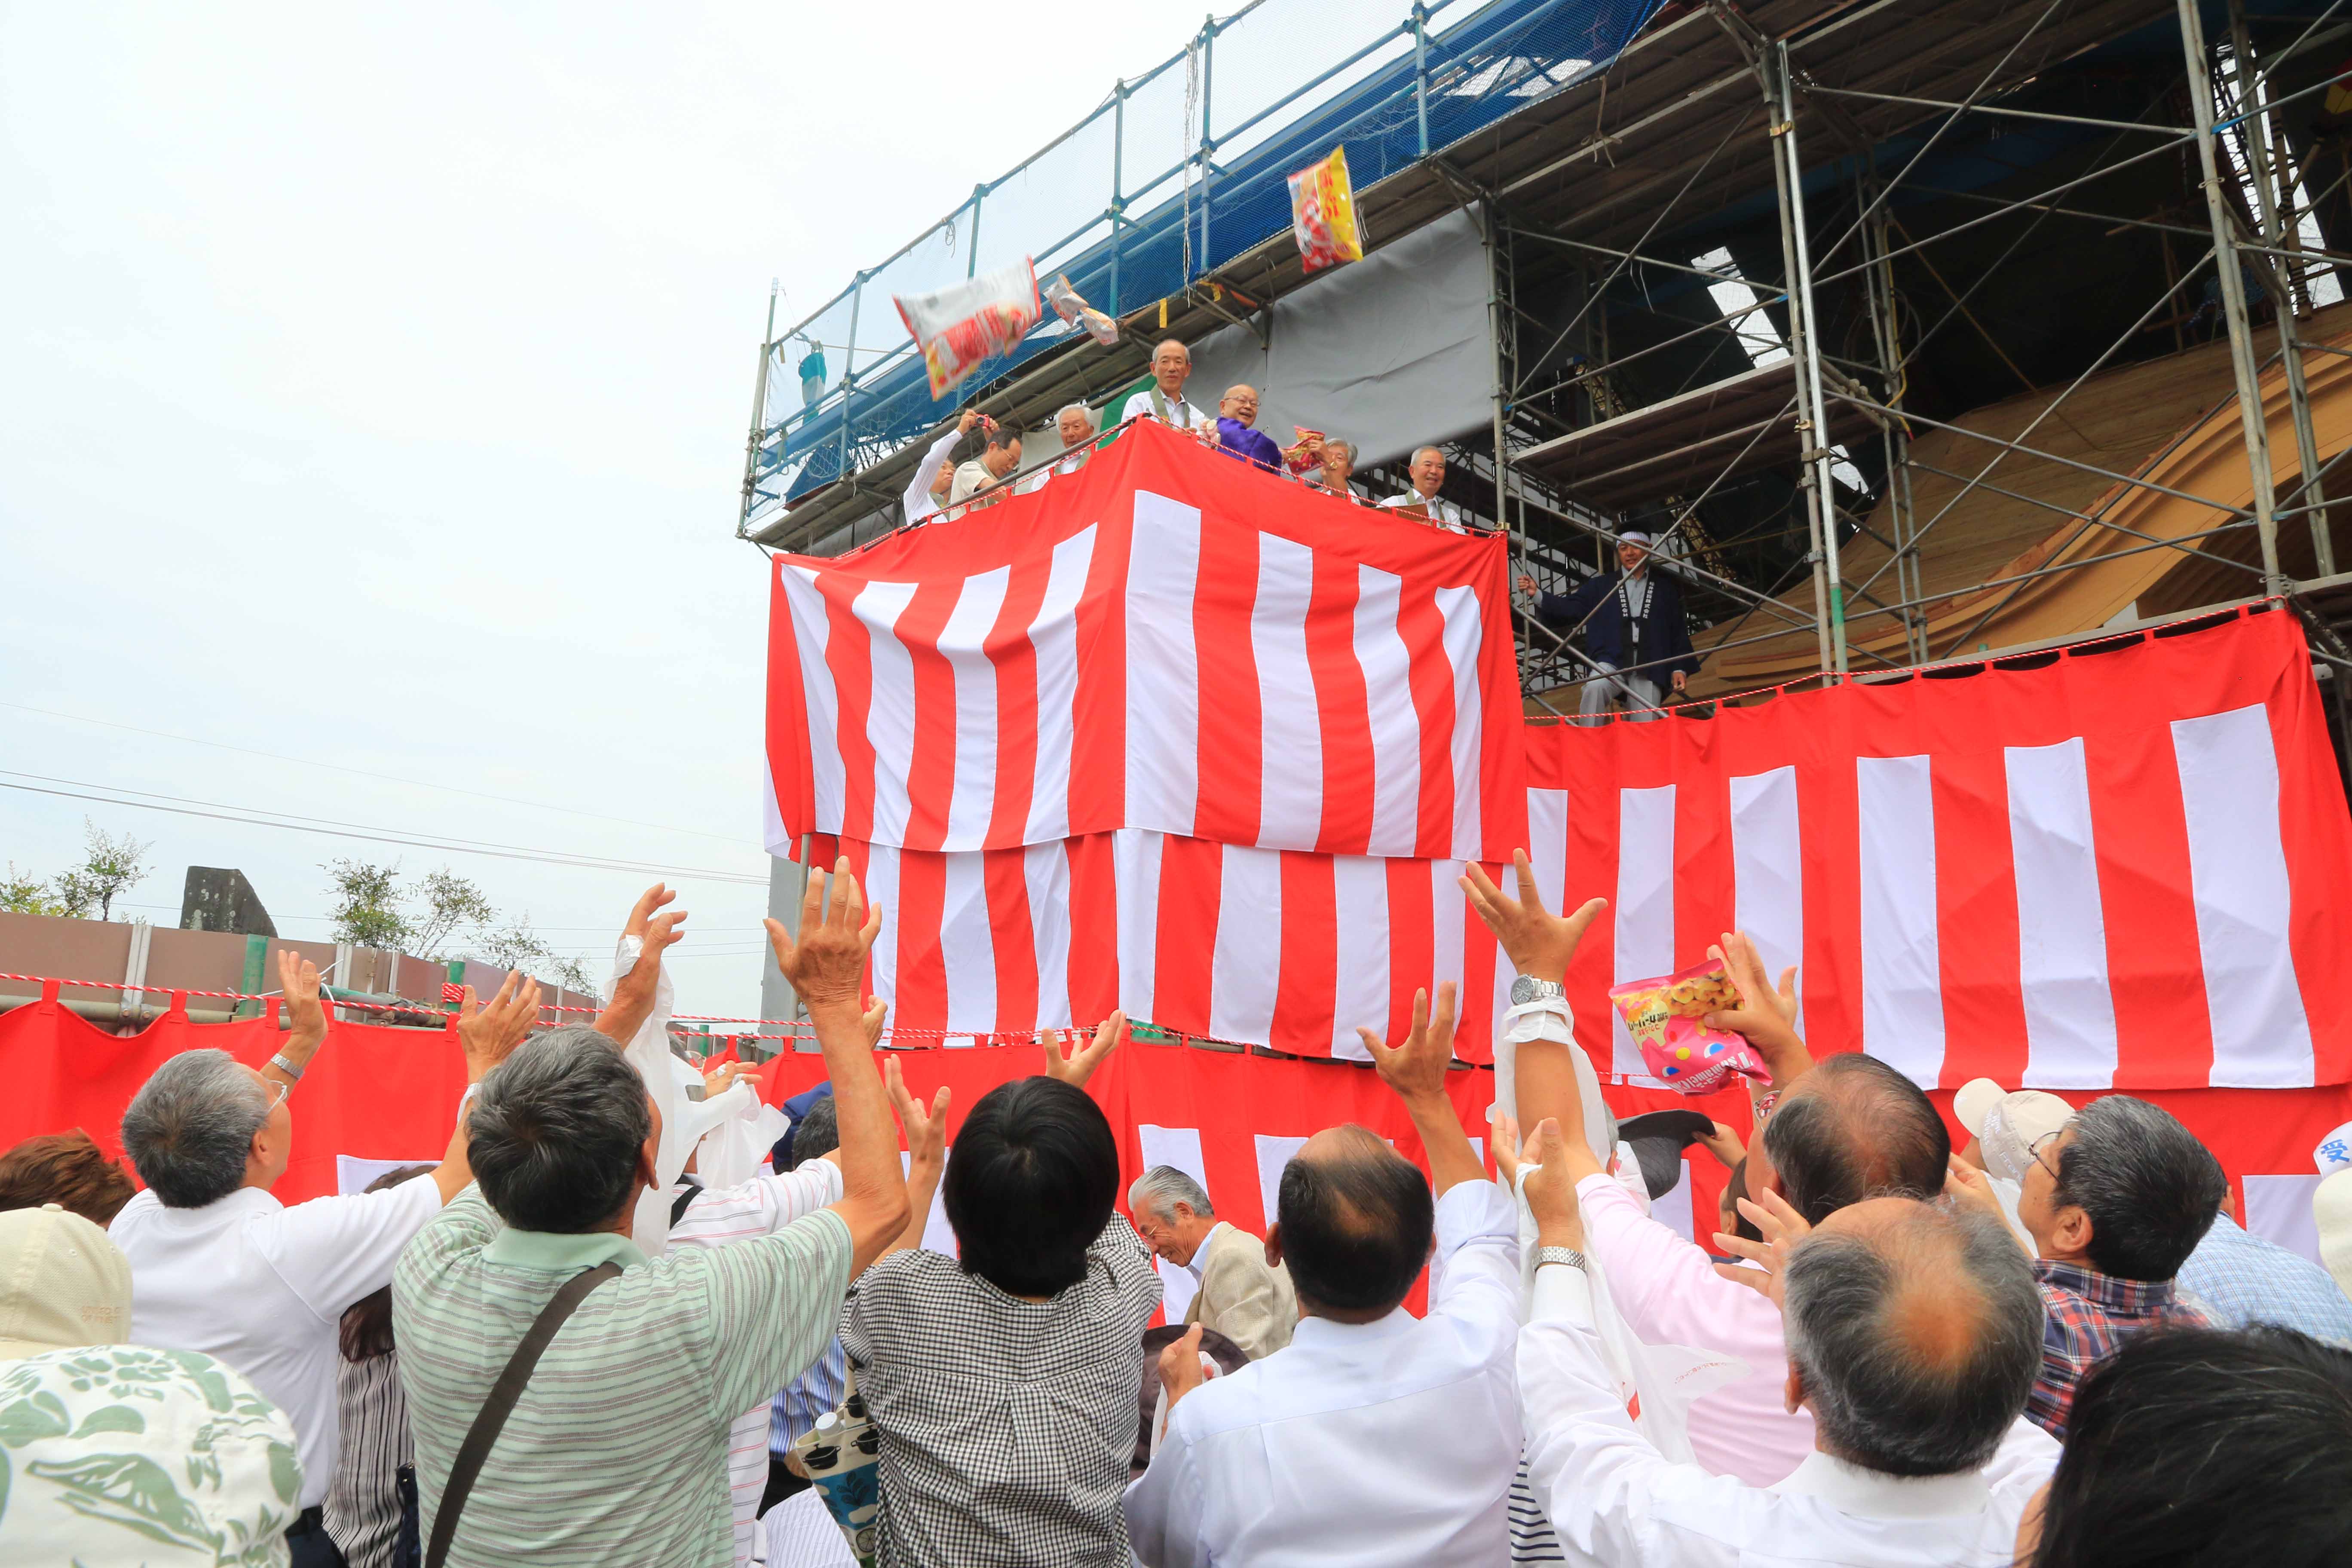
column 283, row 1090
column 2045, row 1141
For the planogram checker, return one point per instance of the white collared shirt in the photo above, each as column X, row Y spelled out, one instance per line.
column 263, row 1287
column 1360, row 1444
column 1179, row 413
column 1442, row 512
column 919, row 503
column 1199, row 1259
column 1613, row 1499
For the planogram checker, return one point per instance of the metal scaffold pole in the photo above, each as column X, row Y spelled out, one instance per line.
column 758, row 413
column 2275, row 193
column 1812, row 413
column 2233, row 294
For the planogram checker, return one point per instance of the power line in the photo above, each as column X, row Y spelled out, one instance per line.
column 366, row 773
column 330, row 828
column 535, row 926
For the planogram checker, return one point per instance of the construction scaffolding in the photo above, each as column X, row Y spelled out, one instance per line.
column 1918, row 332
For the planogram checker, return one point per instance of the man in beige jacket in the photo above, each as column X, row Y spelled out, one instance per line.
column 1240, row 1295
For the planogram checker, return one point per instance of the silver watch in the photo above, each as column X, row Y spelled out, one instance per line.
column 1525, row 989
column 1567, row 1255
column 288, row 1069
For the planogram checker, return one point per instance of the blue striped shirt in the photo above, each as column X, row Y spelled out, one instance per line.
column 810, row 1395
column 2242, row 1280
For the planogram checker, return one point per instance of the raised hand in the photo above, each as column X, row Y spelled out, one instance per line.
column 1416, row 1069
column 1767, row 1016
column 1180, row 1365
column 1551, row 1189
column 1966, row 1186
column 634, row 992
column 1539, row 943
column 877, row 1013
column 1066, row 1059
column 720, row 1078
column 1505, row 1130
column 925, row 1131
column 1724, row 1145
column 1781, row 1227
column 298, row 980
column 826, row 963
column 489, row 1034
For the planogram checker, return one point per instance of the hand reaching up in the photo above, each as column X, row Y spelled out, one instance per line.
column 489, row 1034
column 1505, row 1130
column 925, row 1131
column 1551, row 1189
column 1074, row 1064
column 1180, row 1365
column 1416, row 1069
column 1781, row 1227
column 1539, row 943
column 634, row 992
column 1767, row 1016
column 298, row 980
column 826, row 963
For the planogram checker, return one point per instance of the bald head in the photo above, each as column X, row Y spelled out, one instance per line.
column 1239, row 402
column 1914, row 1334
column 1356, row 1221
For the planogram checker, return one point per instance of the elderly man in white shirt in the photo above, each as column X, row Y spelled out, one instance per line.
column 1376, row 1437
column 1914, row 1333
column 1171, row 366
column 925, row 489
column 218, row 1265
column 1428, row 471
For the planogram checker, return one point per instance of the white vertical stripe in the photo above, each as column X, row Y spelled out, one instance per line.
column 1646, row 904
column 1360, row 886
column 811, row 628
column 2062, row 931
column 1449, row 907
column 938, row 1235
column 1290, row 790
column 1767, row 871
column 1046, row 869
column 1180, row 1147
column 1380, row 654
column 773, row 835
column 1462, row 634
column 962, row 643
column 882, row 887
column 1163, row 670
column 1273, row 1155
column 1135, row 863
column 2237, row 875
column 1246, row 967
column 1054, row 636
column 1902, row 975
column 967, row 946
column 890, row 718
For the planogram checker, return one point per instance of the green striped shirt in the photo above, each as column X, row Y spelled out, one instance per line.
column 616, row 1451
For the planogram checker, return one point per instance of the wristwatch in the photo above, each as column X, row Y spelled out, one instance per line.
column 1525, row 989
column 288, row 1069
column 1567, row 1255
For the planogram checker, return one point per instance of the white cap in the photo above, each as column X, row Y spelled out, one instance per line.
column 2334, row 1151
column 2008, row 1125
column 2331, row 1215
column 1634, row 538
column 63, row 1283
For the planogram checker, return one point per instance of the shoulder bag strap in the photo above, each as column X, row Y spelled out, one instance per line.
column 492, row 1418
column 678, row 1206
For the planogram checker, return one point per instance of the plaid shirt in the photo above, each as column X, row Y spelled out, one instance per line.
column 2085, row 1314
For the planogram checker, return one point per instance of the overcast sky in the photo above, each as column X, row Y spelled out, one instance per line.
column 374, row 393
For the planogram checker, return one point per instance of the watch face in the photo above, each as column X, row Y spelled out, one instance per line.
column 1523, row 990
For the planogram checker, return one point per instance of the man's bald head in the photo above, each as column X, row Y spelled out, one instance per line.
column 1355, row 1224
column 1239, row 402
column 1914, row 1334
column 1853, row 1128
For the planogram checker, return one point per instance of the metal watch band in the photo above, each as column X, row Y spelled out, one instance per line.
column 1567, row 1255
column 1527, row 990
column 288, row 1069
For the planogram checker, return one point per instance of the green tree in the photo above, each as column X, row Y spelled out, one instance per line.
column 451, row 904
column 367, row 904
column 517, row 946
column 110, row 865
column 22, row 893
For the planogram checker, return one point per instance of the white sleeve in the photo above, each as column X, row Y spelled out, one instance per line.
column 1601, row 1484
column 1477, row 1271
column 919, row 502
column 761, row 1206
column 334, row 1251
column 1164, row 1508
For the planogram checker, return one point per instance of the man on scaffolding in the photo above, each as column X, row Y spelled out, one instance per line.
column 1634, row 629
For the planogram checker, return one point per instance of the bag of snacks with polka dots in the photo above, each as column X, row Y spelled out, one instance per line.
column 1663, row 1016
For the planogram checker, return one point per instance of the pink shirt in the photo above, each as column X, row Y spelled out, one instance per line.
column 1670, row 1294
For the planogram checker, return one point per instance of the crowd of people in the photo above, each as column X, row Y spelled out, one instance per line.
column 2051, row 1345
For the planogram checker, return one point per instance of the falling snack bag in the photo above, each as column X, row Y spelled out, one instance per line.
column 1662, row 1015
column 1323, row 213
column 1072, row 307
column 977, row 320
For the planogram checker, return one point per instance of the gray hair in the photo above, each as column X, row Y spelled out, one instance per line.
column 818, row 1133
column 2150, row 1187
column 1161, row 1188
column 1345, row 446
column 1437, row 452
column 1881, row 1398
column 1080, row 409
column 555, row 1132
column 190, row 1127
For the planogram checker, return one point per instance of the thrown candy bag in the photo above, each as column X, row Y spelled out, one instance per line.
column 962, row 327
column 1662, row 1015
column 1072, row 307
column 1323, row 213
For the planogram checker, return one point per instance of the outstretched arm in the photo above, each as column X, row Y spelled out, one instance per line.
column 926, row 1133
column 488, row 1036
column 1539, row 945
column 1416, row 1071
column 306, row 1018
column 634, row 992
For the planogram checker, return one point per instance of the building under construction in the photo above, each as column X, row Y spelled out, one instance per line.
column 1919, row 331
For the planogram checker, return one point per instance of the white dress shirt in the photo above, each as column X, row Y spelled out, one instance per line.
column 1443, row 513
column 1388, row 1442
column 919, row 502
column 1199, row 1259
column 1613, row 1499
column 1179, row 413
column 262, row 1286
column 761, row 1206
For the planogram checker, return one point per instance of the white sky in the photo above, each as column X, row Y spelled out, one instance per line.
column 374, row 392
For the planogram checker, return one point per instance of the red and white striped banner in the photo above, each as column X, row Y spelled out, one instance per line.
column 1165, row 640
column 2123, row 866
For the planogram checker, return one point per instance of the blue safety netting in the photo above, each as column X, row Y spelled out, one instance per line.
column 1179, row 170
